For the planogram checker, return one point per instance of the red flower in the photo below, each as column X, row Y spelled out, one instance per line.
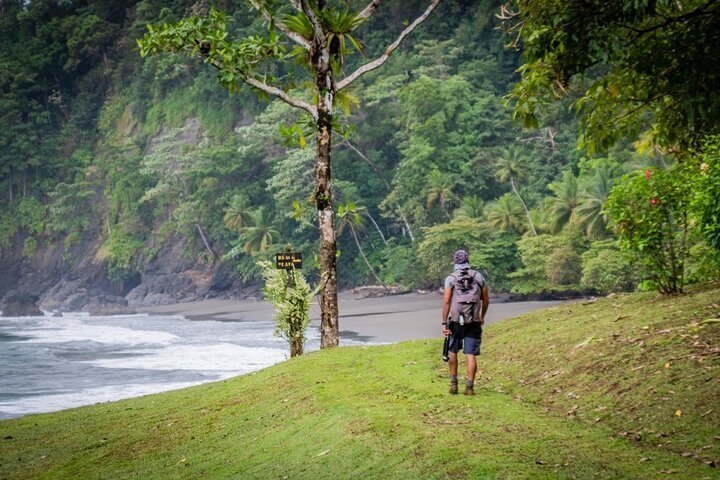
column 653, row 201
column 648, row 174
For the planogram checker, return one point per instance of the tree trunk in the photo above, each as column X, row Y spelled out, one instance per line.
column 362, row 254
column 527, row 212
column 377, row 228
column 205, row 241
column 329, row 325
column 296, row 347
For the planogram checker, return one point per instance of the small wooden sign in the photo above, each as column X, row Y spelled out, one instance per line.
column 288, row 261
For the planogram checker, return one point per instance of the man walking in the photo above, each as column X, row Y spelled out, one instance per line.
column 465, row 303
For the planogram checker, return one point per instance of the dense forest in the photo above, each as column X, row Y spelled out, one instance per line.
column 132, row 168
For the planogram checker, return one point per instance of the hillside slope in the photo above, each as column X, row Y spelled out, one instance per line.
column 625, row 387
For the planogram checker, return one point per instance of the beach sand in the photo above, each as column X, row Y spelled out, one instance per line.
column 387, row 319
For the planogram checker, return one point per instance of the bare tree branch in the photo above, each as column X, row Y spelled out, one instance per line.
column 294, row 36
column 269, row 89
column 282, row 95
column 369, row 10
column 390, row 49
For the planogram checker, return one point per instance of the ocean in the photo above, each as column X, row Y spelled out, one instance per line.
column 49, row 364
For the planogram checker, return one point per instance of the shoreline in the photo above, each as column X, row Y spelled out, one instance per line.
column 387, row 319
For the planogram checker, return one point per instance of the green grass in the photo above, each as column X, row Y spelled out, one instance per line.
column 549, row 404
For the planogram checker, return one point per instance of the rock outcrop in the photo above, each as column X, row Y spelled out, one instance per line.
column 104, row 305
column 21, row 305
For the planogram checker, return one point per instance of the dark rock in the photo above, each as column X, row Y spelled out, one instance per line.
column 21, row 305
column 102, row 305
column 104, row 309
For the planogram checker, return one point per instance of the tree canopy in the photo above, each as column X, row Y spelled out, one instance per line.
column 648, row 67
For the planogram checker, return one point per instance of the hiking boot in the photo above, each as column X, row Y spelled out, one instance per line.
column 453, row 388
column 469, row 390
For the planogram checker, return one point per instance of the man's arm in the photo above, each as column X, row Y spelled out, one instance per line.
column 447, row 297
column 485, row 303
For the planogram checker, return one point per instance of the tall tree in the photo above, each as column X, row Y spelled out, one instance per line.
column 238, row 212
column 320, row 31
column 439, row 190
column 564, row 203
column 471, row 208
column 513, row 165
column 593, row 196
column 260, row 234
column 505, row 213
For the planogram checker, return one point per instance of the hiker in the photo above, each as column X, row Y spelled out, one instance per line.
column 465, row 303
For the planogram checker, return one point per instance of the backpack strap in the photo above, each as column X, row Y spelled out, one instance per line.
column 474, row 274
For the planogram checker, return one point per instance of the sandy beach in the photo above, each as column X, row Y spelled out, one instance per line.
column 393, row 318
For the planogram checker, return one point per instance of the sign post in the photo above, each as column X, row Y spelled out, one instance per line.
column 289, row 261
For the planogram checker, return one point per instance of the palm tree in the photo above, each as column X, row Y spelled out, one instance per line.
column 439, row 189
column 565, row 201
column 513, row 165
column 261, row 234
column 237, row 214
column 470, row 208
column 542, row 218
column 505, row 213
column 348, row 217
column 592, row 201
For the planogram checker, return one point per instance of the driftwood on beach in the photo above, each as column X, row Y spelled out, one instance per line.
column 378, row 291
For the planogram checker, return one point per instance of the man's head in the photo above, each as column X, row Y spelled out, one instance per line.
column 461, row 256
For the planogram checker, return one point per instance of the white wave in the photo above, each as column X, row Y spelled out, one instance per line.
column 60, row 401
column 61, row 330
column 225, row 359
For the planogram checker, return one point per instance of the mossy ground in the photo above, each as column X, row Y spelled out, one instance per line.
column 625, row 387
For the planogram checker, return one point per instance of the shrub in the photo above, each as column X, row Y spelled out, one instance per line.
column 32, row 215
column 122, row 251
column 8, row 229
column 442, row 241
column 708, row 192
column 290, row 294
column 534, row 253
column 496, row 259
column 605, row 269
column 703, row 263
column 30, row 247
column 401, row 267
column 563, row 267
column 650, row 212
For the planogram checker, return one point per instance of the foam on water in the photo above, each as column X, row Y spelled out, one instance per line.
column 69, row 329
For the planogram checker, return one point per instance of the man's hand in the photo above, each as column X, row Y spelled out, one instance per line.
column 482, row 320
column 446, row 331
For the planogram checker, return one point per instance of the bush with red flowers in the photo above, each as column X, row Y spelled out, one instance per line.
column 651, row 214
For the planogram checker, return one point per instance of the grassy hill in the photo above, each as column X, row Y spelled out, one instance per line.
column 625, row 387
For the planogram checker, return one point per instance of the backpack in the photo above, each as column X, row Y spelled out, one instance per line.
column 466, row 296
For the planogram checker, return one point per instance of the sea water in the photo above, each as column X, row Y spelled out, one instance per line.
column 52, row 363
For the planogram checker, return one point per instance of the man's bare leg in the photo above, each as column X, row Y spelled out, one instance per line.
column 471, row 371
column 471, row 366
column 453, row 364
